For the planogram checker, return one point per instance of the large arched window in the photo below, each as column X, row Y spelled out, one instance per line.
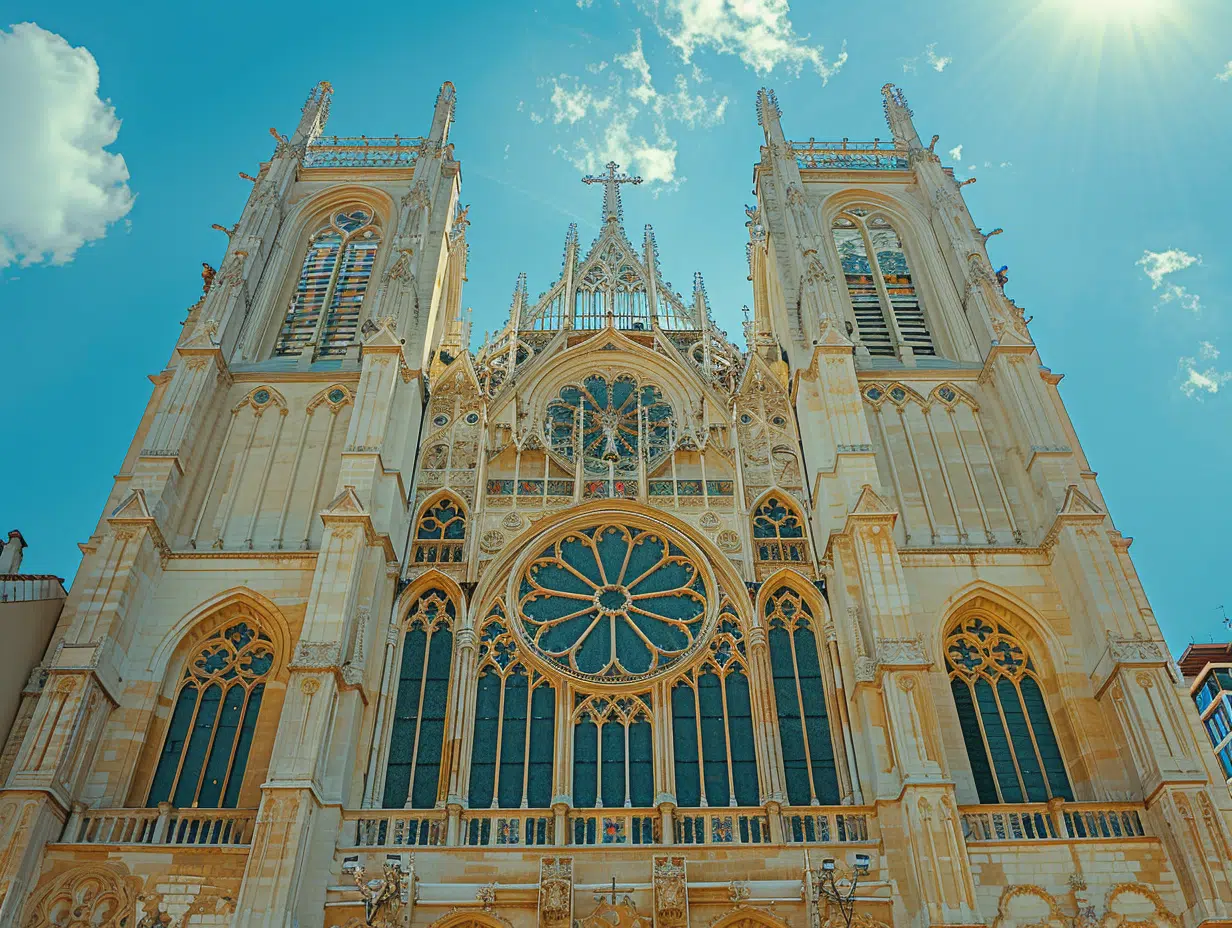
column 440, row 533
column 333, row 279
column 205, row 751
column 515, row 716
column 800, row 697
column 1010, row 741
column 712, row 725
column 883, row 295
column 778, row 533
column 413, row 777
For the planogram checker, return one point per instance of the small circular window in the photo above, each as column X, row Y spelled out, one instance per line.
column 472, row 418
column 337, row 395
column 779, row 421
column 261, row 397
column 440, row 420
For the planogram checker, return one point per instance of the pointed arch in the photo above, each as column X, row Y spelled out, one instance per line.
column 796, row 637
column 748, row 917
column 413, row 773
column 999, row 692
column 215, row 682
column 440, row 529
column 778, row 529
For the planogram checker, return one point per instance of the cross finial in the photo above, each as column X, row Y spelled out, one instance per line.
column 611, row 190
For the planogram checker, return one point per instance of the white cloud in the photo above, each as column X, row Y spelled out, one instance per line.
column 956, row 153
column 758, row 32
column 624, row 118
column 60, row 189
column 1157, row 265
column 1195, row 382
column 909, row 64
column 1226, row 74
column 938, row 62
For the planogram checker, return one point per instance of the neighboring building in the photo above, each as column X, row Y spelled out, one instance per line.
column 1208, row 667
column 609, row 622
column 30, row 605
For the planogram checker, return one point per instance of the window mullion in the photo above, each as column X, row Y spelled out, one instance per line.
column 883, row 294
column 329, row 294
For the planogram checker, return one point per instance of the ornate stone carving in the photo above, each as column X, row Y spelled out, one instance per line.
column 1136, row 650
column 485, row 895
column 709, row 520
column 671, row 894
column 316, row 655
column 492, row 541
column 896, row 652
column 88, row 896
column 739, row 891
column 555, row 892
column 612, row 914
column 728, row 540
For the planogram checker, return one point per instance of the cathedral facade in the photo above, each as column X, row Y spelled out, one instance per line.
column 608, row 622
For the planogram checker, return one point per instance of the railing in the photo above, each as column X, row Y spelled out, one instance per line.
column 175, row 827
column 722, row 826
column 332, row 151
column 848, row 156
column 400, row 828
column 26, row 588
column 508, row 827
column 1039, row 822
column 614, row 826
column 828, row 827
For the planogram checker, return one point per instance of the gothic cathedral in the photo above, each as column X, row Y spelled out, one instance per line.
column 609, row 622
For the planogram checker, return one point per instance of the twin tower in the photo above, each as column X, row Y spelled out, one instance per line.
column 610, row 621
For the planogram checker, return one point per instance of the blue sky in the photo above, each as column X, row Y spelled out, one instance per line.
column 1098, row 131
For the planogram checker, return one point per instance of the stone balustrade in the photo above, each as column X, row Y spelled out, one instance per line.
column 1052, row 821
column 164, row 825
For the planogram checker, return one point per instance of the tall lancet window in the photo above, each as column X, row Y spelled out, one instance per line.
column 800, row 697
column 1010, row 741
column 333, row 279
column 205, row 750
column 879, row 282
column 515, row 718
column 413, row 778
column 589, row 303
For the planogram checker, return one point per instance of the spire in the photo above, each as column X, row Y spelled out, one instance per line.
column 701, row 303
column 442, row 116
column 611, row 190
column 315, row 113
column 768, row 113
column 571, row 246
column 650, row 250
column 517, row 309
column 898, row 115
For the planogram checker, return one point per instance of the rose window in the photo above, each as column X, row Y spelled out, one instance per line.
column 610, row 422
column 612, row 602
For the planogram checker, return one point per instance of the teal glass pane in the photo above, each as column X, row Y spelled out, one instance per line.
column 968, row 721
column 817, row 722
column 220, row 751
column 1020, row 739
column 173, row 746
column 1045, row 737
column 405, row 729
column 513, row 741
column 641, row 765
column 791, row 732
column 198, row 744
column 998, row 743
column 585, row 764
column 542, row 747
column 743, row 747
column 613, row 772
column 444, row 521
column 714, row 739
column 483, row 747
column 684, row 745
column 247, row 729
column 432, row 720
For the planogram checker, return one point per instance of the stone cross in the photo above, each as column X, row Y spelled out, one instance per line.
column 611, row 189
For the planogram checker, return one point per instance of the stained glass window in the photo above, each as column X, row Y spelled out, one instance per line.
column 440, row 533
column 612, row 752
column 515, row 715
column 612, row 424
column 333, row 279
column 712, row 725
column 413, row 776
column 1010, row 741
column 205, row 750
column 800, row 698
column 612, row 602
column 778, row 533
column 881, row 287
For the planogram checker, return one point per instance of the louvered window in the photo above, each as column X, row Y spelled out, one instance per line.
column 883, row 294
column 333, row 279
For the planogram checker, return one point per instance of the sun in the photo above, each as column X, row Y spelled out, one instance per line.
column 1111, row 12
